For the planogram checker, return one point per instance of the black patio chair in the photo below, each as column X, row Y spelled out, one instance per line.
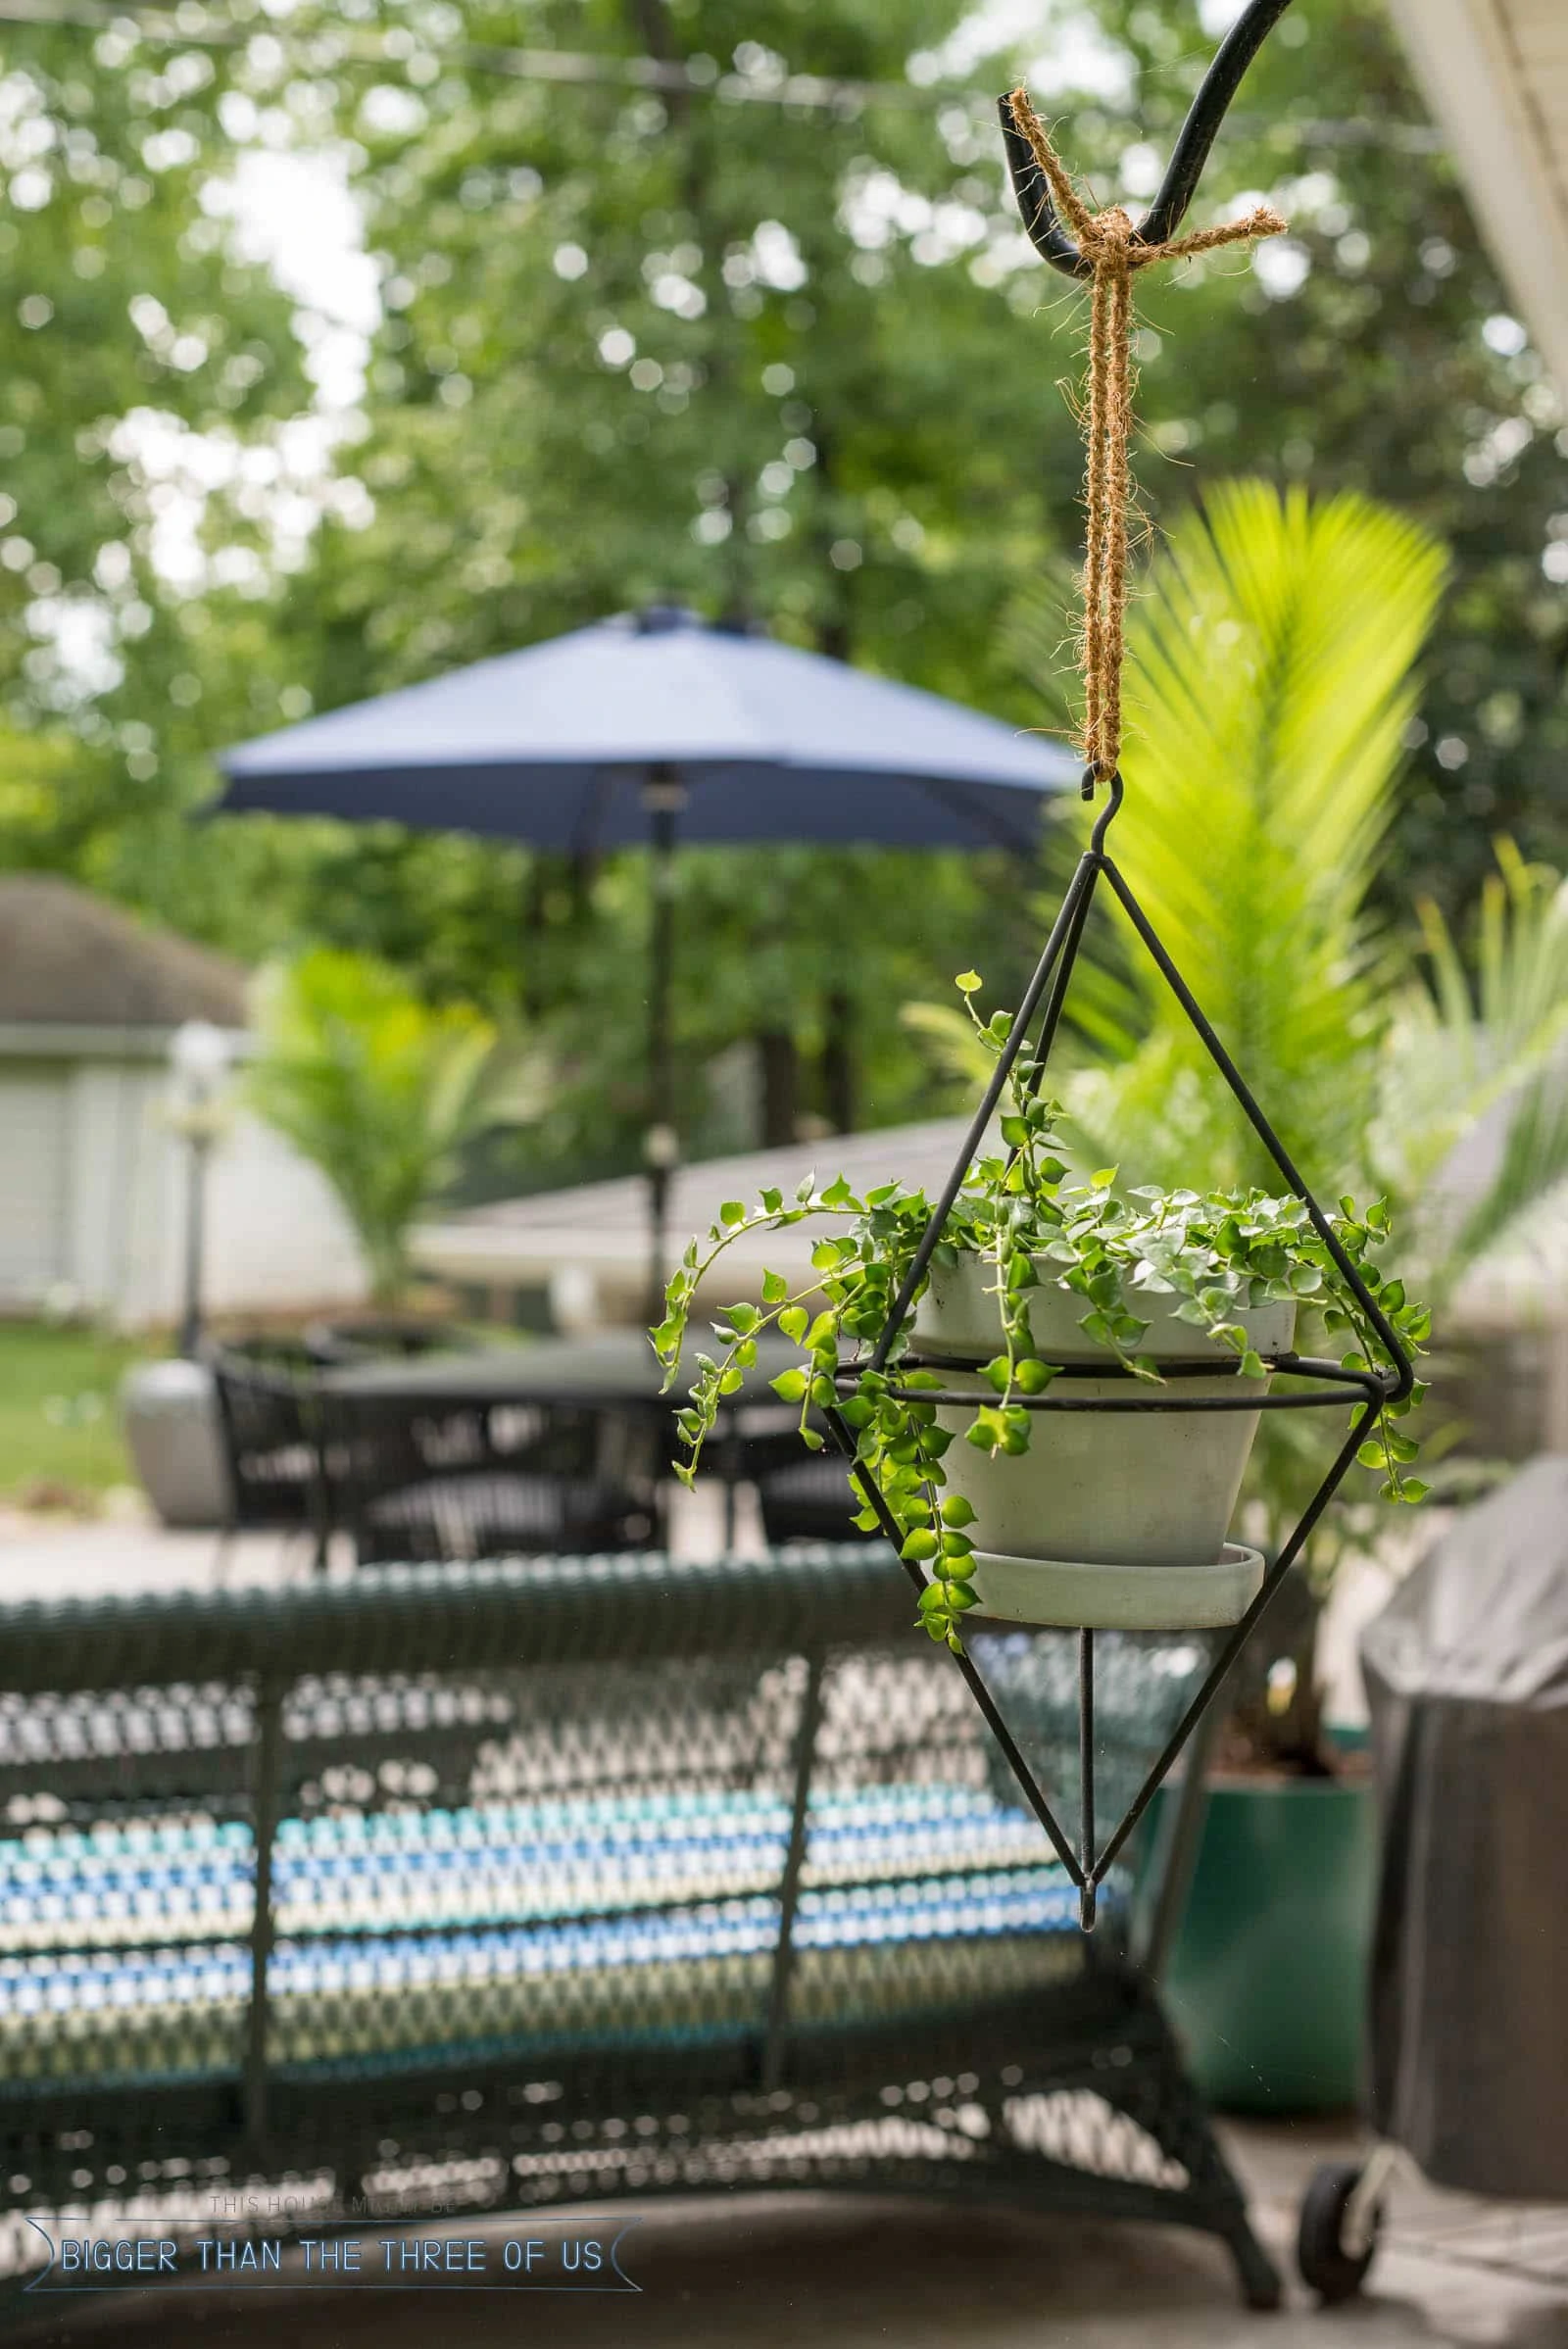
column 801, row 1495
column 435, row 1477
column 810, row 1499
column 267, row 1410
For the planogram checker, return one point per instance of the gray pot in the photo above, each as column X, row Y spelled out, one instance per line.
column 168, row 1411
column 1112, row 1518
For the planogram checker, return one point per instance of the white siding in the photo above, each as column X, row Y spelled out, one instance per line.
column 34, row 1219
column 94, row 1198
column 275, row 1233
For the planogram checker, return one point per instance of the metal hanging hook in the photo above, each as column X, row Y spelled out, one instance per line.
column 1191, row 152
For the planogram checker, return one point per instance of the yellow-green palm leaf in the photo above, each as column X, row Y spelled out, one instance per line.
column 1272, row 677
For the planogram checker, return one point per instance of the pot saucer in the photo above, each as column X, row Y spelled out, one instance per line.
column 1058, row 1594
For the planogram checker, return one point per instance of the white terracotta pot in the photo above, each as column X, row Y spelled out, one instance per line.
column 1122, row 1514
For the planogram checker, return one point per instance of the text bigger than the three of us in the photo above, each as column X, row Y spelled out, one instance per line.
column 398, row 2258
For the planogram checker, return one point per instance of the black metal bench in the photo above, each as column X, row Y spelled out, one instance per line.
column 523, row 1883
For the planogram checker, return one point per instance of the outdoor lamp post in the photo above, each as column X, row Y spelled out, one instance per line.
column 198, row 1061
column 663, row 799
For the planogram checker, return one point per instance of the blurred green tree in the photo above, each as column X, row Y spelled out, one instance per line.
column 141, row 352
column 659, row 317
column 377, row 1089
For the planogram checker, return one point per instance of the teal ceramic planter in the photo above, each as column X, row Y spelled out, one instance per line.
column 1267, row 1982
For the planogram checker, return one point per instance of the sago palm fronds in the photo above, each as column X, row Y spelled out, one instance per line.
column 1479, row 1037
column 374, row 1086
column 1272, row 677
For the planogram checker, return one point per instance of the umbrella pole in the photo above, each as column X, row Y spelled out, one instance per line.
column 663, row 798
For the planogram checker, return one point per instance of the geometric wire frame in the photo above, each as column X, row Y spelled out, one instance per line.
column 1087, row 1863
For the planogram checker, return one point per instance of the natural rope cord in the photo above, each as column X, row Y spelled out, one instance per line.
column 1108, row 241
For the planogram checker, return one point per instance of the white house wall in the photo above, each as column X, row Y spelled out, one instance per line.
column 277, row 1235
column 115, row 1187
column 35, row 1155
column 276, row 1239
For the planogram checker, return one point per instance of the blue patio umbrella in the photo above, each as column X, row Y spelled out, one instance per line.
column 651, row 724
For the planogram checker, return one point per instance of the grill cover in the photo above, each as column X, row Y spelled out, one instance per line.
column 1467, row 1680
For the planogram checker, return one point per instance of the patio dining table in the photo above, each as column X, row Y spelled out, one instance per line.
column 612, row 1379
column 611, row 1367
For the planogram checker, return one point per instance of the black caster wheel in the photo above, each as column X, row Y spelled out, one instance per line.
column 1328, row 2268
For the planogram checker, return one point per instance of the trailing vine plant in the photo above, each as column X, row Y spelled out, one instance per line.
column 1021, row 1212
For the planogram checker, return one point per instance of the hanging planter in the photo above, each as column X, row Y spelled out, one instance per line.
column 1048, row 1387
column 1107, row 1521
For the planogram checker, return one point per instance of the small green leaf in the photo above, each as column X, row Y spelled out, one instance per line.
column 957, row 1511
column 733, row 1211
column 795, row 1322
column 775, row 1288
column 968, row 981
column 789, row 1386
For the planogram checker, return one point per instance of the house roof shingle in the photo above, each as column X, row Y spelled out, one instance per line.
column 69, row 958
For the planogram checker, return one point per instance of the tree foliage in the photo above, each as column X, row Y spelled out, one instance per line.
column 138, row 346
column 791, row 359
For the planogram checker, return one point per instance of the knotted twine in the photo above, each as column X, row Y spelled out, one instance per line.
column 1108, row 241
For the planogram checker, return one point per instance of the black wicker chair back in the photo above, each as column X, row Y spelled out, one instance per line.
column 459, row 1477
column 810, row 1499
column 267, row 1409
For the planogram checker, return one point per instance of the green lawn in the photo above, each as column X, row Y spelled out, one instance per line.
column 59, row 1411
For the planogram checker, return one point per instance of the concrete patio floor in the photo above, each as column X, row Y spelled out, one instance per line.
column 823, row 2272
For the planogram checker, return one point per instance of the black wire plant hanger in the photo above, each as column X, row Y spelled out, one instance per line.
column 1108, row 249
